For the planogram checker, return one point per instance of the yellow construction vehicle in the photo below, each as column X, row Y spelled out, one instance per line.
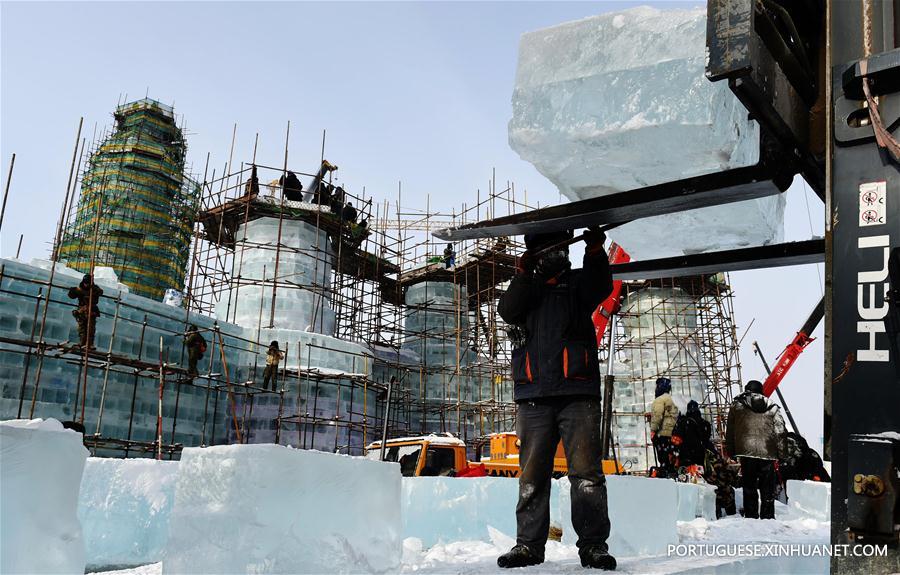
column 445, row 455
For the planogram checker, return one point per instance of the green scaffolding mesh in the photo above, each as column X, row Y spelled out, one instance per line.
column 142, row 227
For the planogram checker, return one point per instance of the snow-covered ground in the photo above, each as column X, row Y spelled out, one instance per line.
column 272, row 509
column 476, row 557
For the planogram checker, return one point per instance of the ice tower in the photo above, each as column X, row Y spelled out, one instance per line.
column 299, row 291
column 660, row 326
column 437, row 325
column 137, row 201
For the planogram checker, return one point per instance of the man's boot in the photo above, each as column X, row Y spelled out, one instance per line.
column 595, row 556
column 519, row 556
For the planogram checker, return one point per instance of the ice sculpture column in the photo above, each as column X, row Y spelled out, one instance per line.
column 437, row 326
column 301, row 288
column 660, row 331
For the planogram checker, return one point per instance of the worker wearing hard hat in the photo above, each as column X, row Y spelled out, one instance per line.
column 557, row 389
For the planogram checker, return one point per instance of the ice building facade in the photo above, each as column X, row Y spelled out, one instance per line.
column 437, row 325
column 53, row 384
column 120, row 394
column 137, row 207
column 299, row 291
column 596, row 116
column 661, row 327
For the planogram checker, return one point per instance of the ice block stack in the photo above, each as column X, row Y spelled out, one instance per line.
column 139, row 324
column 304, row 276
column 437, row 324
column 620, row 101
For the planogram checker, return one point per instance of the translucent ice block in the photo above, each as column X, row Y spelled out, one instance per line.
column 124, row 507
column 40, row 473
column 272, row 509
column 620, row 101
column 643, row 513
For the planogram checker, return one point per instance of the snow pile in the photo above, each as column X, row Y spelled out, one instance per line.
column 597, row 116
column 124, row 507
column 40, row 472
column 810, row 498
column 273, row 509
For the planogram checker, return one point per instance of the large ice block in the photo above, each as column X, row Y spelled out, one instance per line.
column 810, row 498
column 273, row 509
column 124, row 507
column 620, row 101
column 696, row 500
column 40, row 473
column 643, row 513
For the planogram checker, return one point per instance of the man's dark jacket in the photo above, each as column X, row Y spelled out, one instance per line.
column 695, row 433
column 559, row 356
column 755, row 428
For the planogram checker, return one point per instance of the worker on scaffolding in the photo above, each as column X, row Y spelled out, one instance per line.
column 358, row 233
column 196, row 347
column 293, row 189
column 251, row 187
column 337, row 201
column 755, row 435
column 349, row 214
column 87, row 311
column 322, row 195
column 273, row 358
column 449, row 257
column 557, row 391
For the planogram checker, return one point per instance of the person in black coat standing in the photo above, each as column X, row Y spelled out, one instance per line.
column 755, row 435
column 558, row 392
column 692, row 436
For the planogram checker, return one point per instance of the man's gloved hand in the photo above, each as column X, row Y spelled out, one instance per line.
column 525, row 263
column 594, row 238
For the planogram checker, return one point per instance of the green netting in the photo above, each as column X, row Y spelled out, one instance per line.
column 146, row 217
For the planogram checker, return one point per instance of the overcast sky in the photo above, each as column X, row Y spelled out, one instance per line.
column 411, row 92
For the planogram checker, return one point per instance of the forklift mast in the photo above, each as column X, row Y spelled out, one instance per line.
column 862, row 238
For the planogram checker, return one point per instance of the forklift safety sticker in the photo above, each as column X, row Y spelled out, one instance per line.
column 872, row 209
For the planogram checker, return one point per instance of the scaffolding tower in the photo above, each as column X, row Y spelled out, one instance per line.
column 137, row 205
column 400, row 313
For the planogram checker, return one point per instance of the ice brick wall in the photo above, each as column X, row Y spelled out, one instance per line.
column 124, row 508
column 138, row 327
column 597, row 116
column 272, row 509
column 660, row 328
column 202, row 417
column 331, row 398
column 437, row 324
column 304, row 260
column 40, row 472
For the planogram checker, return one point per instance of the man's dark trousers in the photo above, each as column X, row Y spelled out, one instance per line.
column 539, row 425
column 759, row 481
